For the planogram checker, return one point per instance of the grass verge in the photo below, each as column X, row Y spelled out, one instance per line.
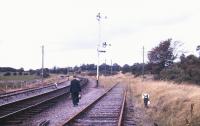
column 171, row 104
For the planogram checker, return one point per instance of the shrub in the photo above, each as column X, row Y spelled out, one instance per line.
column 193, row 74
column 7, row 74
column 174, row 73
column 20, row 73
column 25, row 73
column 46, row 75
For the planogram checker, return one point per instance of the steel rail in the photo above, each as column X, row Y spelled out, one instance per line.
column 71, row 119
column 122, row 110
column 29, row 107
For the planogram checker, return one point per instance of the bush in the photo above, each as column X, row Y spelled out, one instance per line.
column 20, row 73
column 46, row 75
column 92, row 73
column 25, row 73
column 7, row 74
column 31, row 72
column 193, row 74
column 178, row 74
column 174, row 73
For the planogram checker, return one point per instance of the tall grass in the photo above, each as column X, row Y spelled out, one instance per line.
column 171, row 104
column 13, row 82
column 19, row 77
column 108, row 81
column 18, row 82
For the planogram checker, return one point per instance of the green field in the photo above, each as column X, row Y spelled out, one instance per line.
column 19, row 77
column 15, row 81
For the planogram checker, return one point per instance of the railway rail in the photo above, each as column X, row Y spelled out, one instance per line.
column 14, row 113
column 22, row 91
column 107, row 110
column 13, row 96
column 5, row 94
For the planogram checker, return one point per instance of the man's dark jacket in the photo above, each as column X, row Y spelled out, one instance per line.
column 75, row 86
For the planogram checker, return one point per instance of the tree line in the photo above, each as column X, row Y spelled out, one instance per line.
column 167, row 62
column 91, row 68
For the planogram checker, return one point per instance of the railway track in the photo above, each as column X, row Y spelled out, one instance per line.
column 10, row 97
column 22, row 91
column 15, row 113
column 107, row 110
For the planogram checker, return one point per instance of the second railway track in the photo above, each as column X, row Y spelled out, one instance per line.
column 15, row 113
column 107, row 110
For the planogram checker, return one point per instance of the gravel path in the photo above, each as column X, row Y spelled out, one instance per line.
column 62, row 111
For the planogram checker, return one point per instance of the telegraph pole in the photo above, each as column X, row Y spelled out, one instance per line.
column 111, row 67
column 143, row 63
column 42, row 64
column 105, row 66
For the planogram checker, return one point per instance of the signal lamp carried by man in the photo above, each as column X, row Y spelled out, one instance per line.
column 75, row 88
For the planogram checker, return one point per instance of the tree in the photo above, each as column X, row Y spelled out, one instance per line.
column 174, row 73
column 126, row 68
column 137, row 69
column 91, row 67
column 54, row 69
column 162, row 56
column 83, row 67
column 191, row 68
column 7, row 74
column 21, row 70
column 198, row 49
column 31, row 72
column 182, row 58
column 116, row 67
column 65, row 71
column 7, row 69
column 186, row 70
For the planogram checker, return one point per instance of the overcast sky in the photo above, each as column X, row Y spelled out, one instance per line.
column 69, row 30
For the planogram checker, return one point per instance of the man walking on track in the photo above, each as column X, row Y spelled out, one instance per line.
column 75, row 88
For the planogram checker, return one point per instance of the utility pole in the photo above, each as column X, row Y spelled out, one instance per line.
column 42, row 64
column 143, row 62
column 111, row 67
column 105, row 66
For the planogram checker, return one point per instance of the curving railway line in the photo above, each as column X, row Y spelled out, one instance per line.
column 107, row 110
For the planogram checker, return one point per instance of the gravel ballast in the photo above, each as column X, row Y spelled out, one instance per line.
column 63, row 110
